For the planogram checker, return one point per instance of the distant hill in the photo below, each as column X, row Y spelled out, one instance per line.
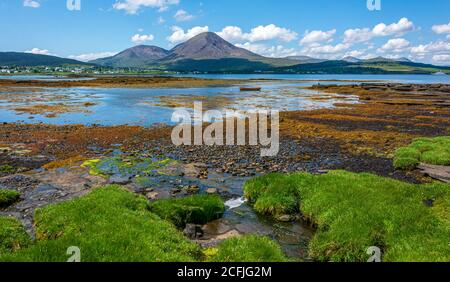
column 363, row 67
column 33, row 60
column 351, row 59
column 304, row 59
column 138, row 56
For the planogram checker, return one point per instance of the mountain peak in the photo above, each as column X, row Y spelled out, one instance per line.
column 137, row 56
column 209, row 45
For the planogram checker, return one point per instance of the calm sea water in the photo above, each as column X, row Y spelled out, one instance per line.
column 143, row 106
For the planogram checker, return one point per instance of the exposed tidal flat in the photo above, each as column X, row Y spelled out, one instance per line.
column 333, row 190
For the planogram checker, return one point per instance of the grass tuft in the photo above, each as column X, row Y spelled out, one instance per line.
column 250, row 248
column 355, row 211
column 197, row 209
column 12, row 235
column 8, row 197
column 435, row 151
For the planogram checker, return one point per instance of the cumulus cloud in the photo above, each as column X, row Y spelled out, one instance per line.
column 327, row 49
column 441, row 29
column 139, row 39
column 444, row 58
column 179, row 35
column 38, row 51
column 92, row 56
column 133, row 6
column 183, row 16
column 365, row 34
column 31, row 4
column 397, row 29
column 278, row 51
column 317, row 36
column 433, row 47
column 259, row 33
column 396, row 45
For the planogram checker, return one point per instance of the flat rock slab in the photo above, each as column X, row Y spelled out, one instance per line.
column 438, row 172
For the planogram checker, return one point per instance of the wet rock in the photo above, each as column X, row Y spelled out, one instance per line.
column 152, row 195
column 211, row 191
column 287, row 218
column 429, row 203
column 120, row 180
column 193, row 231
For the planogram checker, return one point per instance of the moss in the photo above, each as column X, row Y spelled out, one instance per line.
column 12, row 235
column 126, row 166
column 355, row 211
column 197, row 209
column 275, row 195
column 7, row 169
column 435, row 151
column 109, row 224
column 250, row 248
column 8, row 197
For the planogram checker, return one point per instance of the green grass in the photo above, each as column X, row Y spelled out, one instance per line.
column 8, row 197
column 109, row 224
column 356, row 211
column 197, row 209
column 7, row 169
column 12, row 235
column 250, row 248
column 435, row 151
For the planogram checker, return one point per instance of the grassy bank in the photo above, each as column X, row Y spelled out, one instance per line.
column 112, row 224
column 435, row 151
column 355, row 211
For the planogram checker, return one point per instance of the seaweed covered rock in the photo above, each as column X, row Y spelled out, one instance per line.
column 196, row 209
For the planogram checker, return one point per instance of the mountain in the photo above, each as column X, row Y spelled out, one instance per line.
column 351, row 59
column 138, row 56
column 209, row 46
column 32, row 60
column 383, row 60
column 304, row 59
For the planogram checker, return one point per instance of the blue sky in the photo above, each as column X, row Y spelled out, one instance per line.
column 416, row 29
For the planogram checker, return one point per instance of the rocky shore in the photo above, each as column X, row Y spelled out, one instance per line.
column 44, row 162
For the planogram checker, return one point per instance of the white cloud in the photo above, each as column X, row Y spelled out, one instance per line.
column 354, row 53
column 31, row 4
column 445, row 58
column 183, row 16
column 133, row 6
column 327, row 49
column 179, row 35
column 441, row 29
column 139, row 39
column 365, row 34
column 357, row 35
column 259, row 33
column 316, row 36
column 396, row 45
column 92, row 56
column 38, row 51
column 396, row 29
column 161, row 20
column 433, row 47
column 278, row 51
